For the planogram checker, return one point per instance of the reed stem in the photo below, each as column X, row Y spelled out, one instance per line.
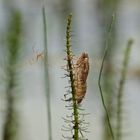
column 100, row 75
column 47, row 84
column 121, row 89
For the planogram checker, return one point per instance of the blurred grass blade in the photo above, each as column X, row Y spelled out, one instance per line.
column 100, row 75
column 46, row 69
column 120, row 90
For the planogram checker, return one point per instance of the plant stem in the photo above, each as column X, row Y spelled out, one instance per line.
column 47, row 76
column 100, row 76
column 120, row 90
column 13, row 47
column 71, row 75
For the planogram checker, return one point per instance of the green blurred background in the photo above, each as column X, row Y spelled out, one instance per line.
column 22, row 88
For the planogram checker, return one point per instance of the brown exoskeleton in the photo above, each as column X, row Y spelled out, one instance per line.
column 81, row 69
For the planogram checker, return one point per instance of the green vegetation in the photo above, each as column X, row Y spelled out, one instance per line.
column 75, row 126
column 11, row 71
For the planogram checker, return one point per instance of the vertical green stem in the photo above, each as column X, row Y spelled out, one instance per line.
column 71, row 75
column 13, row 47
column 105, row 10
column 100, row 76
column 47, row 76
column 120, row 90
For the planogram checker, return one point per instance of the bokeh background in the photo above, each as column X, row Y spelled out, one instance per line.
column 21, row 30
